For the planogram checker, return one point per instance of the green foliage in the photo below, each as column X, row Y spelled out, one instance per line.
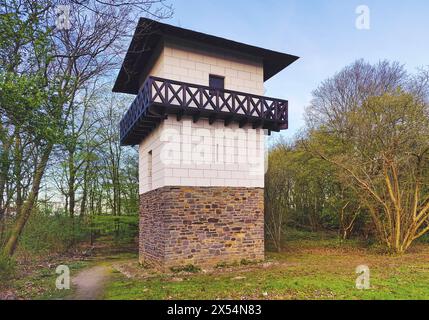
column 124, row 229
column 48, row 232
column 24, row 35
column 7, row 268
column 221, row 265
column 309, row 193
column 321, row 239
column 362, row 165
column 26, row 99
column 382, row 154
column 45, row 232
column 245, row 262
column 187, row 268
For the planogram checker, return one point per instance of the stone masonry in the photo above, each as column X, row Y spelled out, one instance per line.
column 202, row 226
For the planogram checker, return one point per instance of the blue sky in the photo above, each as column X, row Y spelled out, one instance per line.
column 321, row 32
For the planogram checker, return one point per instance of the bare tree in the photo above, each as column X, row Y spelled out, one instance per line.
column 379, row 140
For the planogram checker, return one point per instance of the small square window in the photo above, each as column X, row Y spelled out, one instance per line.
column 216, row 82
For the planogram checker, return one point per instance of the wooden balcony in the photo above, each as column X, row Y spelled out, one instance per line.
column 160, row 97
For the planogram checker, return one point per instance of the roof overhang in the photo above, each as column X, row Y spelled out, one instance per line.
column 149, row 35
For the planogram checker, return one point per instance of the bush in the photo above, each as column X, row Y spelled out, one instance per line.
column 45, row 232
column 49, row 232
column 123, row 229
column 245, row 262
column 7, row 268
column 188, row 268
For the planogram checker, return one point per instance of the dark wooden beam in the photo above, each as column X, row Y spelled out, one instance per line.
column 179, row 115
column 228, row 121
column 151, row 122
column 140, row 131
column 155, row 118
column 148, row 124
column 212, row 118
column 243, row 122
column 267, row 125
column 196, row 117
column 256, row 124
column 156, row 113
column 274, row 128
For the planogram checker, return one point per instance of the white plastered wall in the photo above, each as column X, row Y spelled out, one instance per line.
column 194, row 65
column 185, row 153
column 182, row 166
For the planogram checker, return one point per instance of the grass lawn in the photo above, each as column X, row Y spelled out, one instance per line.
column 310, row 267
column 39, row 283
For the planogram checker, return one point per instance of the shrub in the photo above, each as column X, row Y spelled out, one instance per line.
column 48, row 232
column 123, row 229
column 7, row 268
column 245, row 262
column 188, row 268
column 45, row 232
column 221, row 265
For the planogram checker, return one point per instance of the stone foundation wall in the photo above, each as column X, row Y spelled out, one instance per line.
column 202, row 226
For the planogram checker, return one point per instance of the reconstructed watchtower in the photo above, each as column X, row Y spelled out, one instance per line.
column 199, row 119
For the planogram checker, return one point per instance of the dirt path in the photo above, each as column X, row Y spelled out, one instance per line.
column 89, row 283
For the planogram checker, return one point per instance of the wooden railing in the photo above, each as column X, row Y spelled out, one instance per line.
column 186, row 98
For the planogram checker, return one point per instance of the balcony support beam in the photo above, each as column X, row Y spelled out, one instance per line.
column 179, row 115
column 242, row 123
column 212, row 118
column 196, row 117
column 228, row 121
column 257, row 124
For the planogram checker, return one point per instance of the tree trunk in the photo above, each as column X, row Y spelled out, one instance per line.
column 28, row 204
column 84, row 192
column 71, row 184
column 2, row 224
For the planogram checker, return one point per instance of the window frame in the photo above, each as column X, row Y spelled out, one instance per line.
column 216, row 77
